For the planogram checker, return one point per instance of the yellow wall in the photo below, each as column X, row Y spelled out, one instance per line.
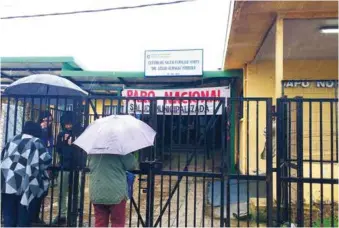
column 99, row 107
column 259, row 81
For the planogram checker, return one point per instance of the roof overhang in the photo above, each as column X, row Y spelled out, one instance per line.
column 103, row 82
column 13, row 68
column 252, row 21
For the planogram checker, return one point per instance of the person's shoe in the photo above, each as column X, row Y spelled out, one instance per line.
column 59, row 220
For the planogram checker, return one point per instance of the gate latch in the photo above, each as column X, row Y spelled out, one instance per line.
column 154, row 166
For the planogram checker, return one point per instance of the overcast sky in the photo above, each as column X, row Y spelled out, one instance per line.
column 114, row 40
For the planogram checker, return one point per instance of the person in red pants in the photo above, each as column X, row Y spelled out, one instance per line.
column 108, row 187
column 114, row 212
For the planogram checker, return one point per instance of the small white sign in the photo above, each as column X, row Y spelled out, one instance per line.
column 174, row 63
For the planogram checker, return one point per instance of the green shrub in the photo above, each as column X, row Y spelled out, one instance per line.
column 327, row 222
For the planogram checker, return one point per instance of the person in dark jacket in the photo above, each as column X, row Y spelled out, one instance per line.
column 65, row 152
column 70, row 158
column 45, row 121
column 47, row 136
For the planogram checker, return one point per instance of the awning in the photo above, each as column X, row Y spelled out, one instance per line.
column 104, row 82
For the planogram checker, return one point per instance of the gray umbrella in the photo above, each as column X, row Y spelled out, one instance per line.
column 46, row 85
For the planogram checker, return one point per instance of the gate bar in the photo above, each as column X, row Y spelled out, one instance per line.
column 269, row 179
column 247, row 161
column 257, row 157
column 15, row 115
column 223, row 164
column 311, row 161
column 7, row 118
column 279, row 152
column 300, row 174
column 332, row 174
column 321, row 164
column 138, row 213
column 96, row 116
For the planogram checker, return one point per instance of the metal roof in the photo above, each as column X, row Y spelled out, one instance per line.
column 13, row 68
column 103, row 82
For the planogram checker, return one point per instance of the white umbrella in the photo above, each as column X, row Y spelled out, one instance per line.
column 120, row 134
column 44, row 84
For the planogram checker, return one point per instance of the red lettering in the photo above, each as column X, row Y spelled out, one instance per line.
column 184, row 101
column 203, row 94
column 151, row 94
column 213, row 94
column 190, row 95
column 176, row 94
column 196, row 94
column 143, row 94
column 168, row 94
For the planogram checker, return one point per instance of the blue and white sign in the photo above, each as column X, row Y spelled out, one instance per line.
column 174, row 63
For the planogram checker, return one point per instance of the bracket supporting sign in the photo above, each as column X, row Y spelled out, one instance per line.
column 174, row 63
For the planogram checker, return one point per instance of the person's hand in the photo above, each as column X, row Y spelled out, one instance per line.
column 66, row 136
column 49, row 174
column 43, row 124
column 70, row 141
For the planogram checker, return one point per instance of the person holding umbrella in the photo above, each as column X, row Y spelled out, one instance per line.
column 52, row 85
column 108, row 187
column 110, row 142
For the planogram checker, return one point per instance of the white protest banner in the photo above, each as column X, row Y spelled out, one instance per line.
column 174, row 63
column 176, row 106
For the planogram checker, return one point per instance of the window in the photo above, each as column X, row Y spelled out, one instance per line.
column 112, row 110
column 69, row 107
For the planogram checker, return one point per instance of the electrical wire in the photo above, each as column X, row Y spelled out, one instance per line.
column 97, row 10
